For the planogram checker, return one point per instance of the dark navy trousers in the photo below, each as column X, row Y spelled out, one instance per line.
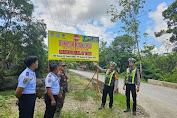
column 26, row 105
column 106, row 90
column 50, row 110
column 132, row 88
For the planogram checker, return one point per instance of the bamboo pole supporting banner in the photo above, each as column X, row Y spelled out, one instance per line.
column 97, row 84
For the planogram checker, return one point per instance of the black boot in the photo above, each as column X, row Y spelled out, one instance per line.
column 57, row 112
column 134, row 113
column 126, row 110
column 110, row 107
column 102, row 106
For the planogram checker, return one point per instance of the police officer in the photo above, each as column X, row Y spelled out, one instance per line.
column 132, row 79
column 52, row 87
column 63, row 85
column 111, row 83
column 26, row 89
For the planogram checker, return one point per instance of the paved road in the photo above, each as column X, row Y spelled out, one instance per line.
column 159, row 102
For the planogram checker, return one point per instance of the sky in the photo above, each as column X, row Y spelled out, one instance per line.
column 89, row 17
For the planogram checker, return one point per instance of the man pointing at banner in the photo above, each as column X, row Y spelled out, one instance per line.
column 110, row 85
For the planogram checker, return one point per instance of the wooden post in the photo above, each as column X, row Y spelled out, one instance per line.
column 48, row 66
column 97, row 84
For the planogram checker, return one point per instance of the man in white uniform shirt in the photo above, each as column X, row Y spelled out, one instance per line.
column 26, row 89
column 52, row 86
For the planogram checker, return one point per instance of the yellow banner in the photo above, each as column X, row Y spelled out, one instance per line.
column 73, row 47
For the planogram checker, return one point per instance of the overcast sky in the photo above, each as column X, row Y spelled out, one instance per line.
column 88, row 17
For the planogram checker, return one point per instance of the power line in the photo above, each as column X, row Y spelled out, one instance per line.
column 65, row 15
column 51, row 14
column 57, row 10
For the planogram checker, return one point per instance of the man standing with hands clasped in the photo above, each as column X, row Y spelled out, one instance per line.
column 52, row 85
column 132, row 79
column 110, row 85
column 63, row 86
column 26, row 89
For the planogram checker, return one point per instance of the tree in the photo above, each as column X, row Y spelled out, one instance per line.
column 170, row 15
column 129, row 15
column 21, row 36
column 122, row 48
column 14, row 14
column 148, row 52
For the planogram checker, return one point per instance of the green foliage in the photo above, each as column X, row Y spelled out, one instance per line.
column 170, row 15
column 172, row 77
column 149, row 71
column 166, row 63
column 21, row 36
column 14, row 15
column 119, row 51
column 122, row 75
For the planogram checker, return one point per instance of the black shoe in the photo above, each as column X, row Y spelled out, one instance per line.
column 110, row 107
column 134, row 113
column 101, row 107
column 126, row 110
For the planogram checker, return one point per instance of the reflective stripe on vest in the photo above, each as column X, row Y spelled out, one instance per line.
column 109, row 76
column 132, row 74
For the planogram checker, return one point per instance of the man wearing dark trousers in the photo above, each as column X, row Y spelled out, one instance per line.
column 52, row 85
column 132, row 79
column 26, row 89
column 110, row 85
column 63, row 86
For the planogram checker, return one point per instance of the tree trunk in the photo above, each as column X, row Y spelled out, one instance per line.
column 4, row 62
column 141, row 69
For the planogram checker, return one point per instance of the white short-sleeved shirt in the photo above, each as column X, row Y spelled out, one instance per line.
column 53, row 82
column 27, row 80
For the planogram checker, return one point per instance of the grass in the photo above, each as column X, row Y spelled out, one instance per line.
column 7, row 93
column 80, row 94
column 4, row 95
column 4, row 103
column 118, row 106
column 79, row 114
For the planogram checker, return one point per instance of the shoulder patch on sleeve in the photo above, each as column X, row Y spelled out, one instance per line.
column 50, row 75
column 116, row 75
column 25, row 80
column 27, row 73
column 49, row 80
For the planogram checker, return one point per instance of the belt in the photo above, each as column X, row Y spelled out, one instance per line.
column 29, row 94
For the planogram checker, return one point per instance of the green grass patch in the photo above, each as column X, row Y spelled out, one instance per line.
column 7, row 94
column 102, row 73
column 119, row 104
column 79, row 114
column 120, row 101
column 73, row 79
column 39, row 115
column 83, row 96
column 80, row 95
column 4, row 103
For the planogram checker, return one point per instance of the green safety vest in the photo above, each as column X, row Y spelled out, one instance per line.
column 109, row 76
column 132, row 74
